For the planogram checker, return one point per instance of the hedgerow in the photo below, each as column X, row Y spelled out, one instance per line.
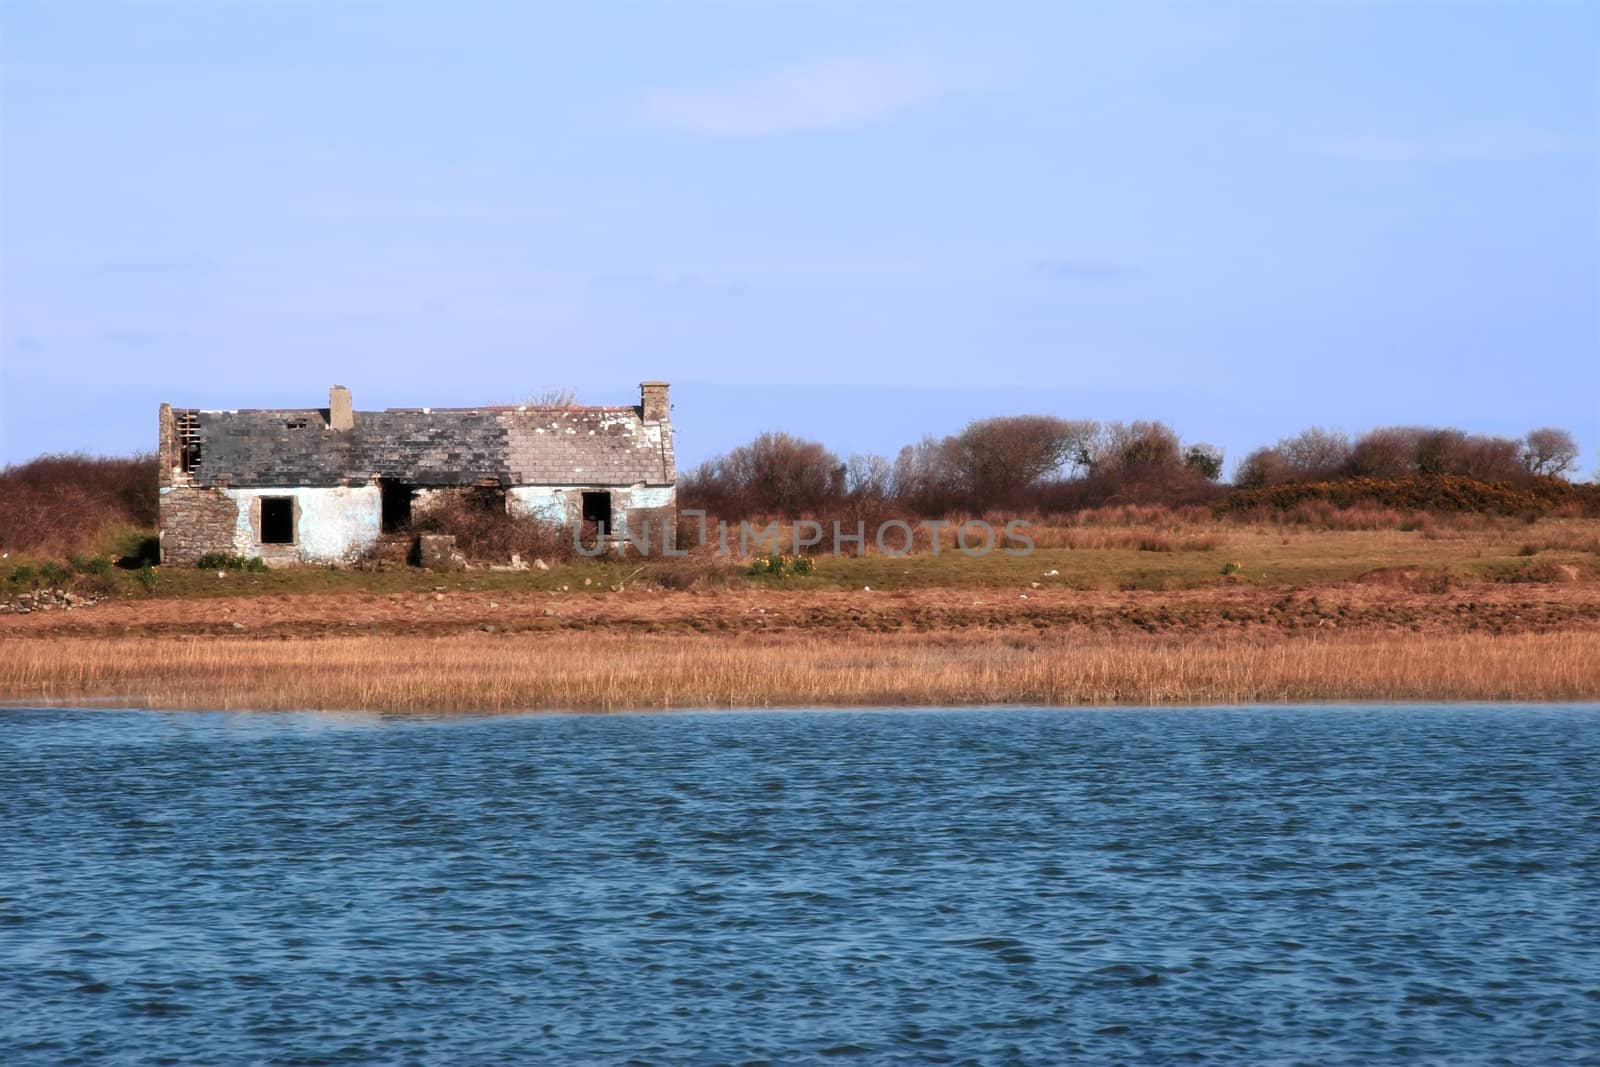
column 1440, row 493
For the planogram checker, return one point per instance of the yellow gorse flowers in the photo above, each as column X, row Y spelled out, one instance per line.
column 783, row 566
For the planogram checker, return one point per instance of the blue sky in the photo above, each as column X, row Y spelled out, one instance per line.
column 859, row 222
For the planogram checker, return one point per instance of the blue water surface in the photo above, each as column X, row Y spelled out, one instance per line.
column 1319, row 885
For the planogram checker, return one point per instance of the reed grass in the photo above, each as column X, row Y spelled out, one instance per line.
column 599, row 671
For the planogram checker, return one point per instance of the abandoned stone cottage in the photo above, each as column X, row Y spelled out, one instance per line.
column 327, row 485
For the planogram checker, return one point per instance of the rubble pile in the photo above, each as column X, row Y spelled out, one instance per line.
column 47, row 600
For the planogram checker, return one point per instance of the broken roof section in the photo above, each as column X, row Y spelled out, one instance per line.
column 422, row 446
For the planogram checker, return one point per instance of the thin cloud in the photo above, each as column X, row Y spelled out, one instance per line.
column 809, row 96
column 1486, row 142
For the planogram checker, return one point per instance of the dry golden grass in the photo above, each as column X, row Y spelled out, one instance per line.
column 478, row 672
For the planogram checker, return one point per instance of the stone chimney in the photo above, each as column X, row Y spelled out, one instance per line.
column 653, row 405
column 341, row 416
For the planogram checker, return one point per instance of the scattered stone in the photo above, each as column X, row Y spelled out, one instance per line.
column 486, row 628
column 240, row 626
column 540, row 565
column 46, row 600
column 493, row 604
column 438, row 552
column 438, row 596
column 548, row 611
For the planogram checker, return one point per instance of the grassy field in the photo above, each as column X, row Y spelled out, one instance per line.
column 1186, row 557
column 1481, row 610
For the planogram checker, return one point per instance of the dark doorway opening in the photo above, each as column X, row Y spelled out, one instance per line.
column 277, row 520
column 597, row 509
column 396, row 505
column 491, row 498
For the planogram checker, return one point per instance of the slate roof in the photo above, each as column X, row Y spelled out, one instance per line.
column 454, row 446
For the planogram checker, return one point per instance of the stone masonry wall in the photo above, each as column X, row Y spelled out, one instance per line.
column 195, row 521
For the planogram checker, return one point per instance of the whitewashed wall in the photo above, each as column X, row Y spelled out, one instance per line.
column 335, row 525
column 331, row 525
column 560, row 503
column 545, row 502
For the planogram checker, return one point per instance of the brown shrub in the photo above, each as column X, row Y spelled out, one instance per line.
column 1402, row 451
column 490, row 534
column 776, row 472
column 1141, row 515
column 996, row 459
column 1387, row 452
column 1565, row 541
column 1440, row 493
column 1323, row 515
column 59, row 505
column 1490, row 459
column 1262, row 467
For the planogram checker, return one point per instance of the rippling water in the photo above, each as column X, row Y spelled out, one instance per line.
column 1319, row 884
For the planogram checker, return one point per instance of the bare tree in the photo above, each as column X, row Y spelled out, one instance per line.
column 1439, row 451
column 1386, row 452
column 1549, row 450
column 997, row 458
column 1315, row 453
column 781, row 474
column 1131, row 448
column 1205, row 460
column 1490, row 459
column 869, row 477
column 1262, row 467
column 552, row 396
column 925, row 475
